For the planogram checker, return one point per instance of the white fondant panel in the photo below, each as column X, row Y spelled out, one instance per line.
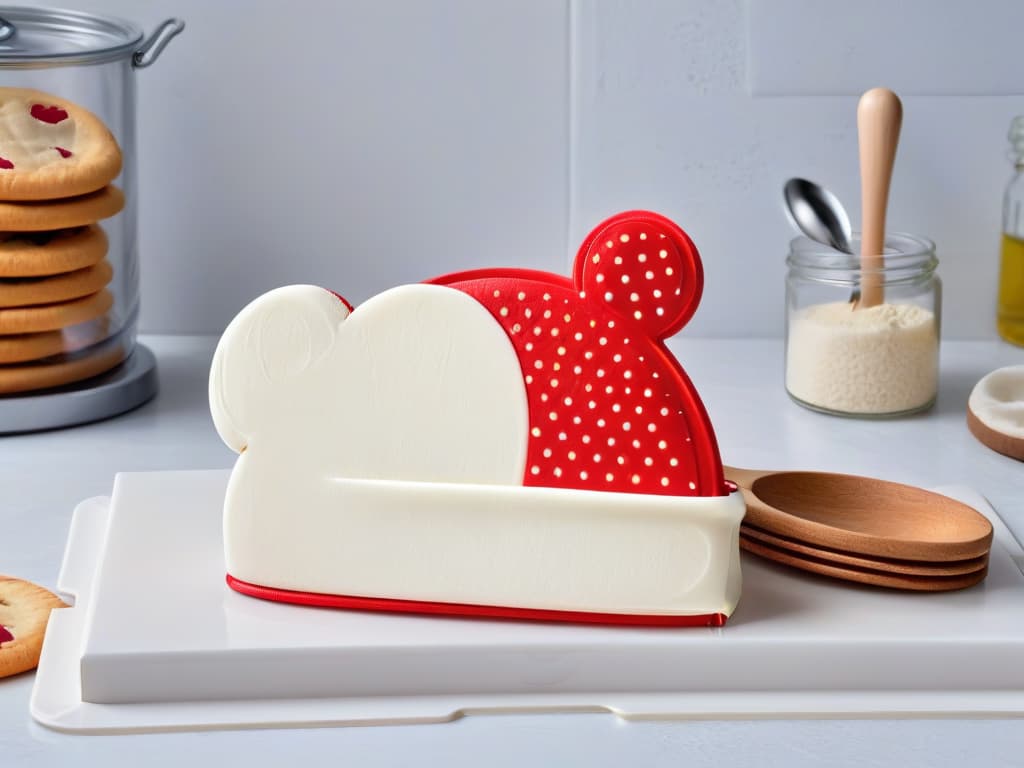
column 540, row 548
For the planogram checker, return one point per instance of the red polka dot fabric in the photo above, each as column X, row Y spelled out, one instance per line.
column 610, row 409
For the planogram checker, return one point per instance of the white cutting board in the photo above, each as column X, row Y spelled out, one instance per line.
column 157, row 636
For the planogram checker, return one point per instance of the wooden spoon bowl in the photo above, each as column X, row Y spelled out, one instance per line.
column 863, row 516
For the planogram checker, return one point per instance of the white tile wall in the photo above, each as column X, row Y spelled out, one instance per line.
column 361, row 144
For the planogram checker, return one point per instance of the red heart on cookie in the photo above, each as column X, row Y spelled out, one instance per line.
column 51, row 114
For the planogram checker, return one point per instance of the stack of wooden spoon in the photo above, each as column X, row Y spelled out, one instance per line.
column 864, row 530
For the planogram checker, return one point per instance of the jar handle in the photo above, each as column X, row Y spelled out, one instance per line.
column 7, row 30
column 154, row 45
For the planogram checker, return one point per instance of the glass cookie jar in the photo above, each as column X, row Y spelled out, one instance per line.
column 69, row 272
column 848, row 359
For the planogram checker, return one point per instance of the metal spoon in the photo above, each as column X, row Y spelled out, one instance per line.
column 819, row 215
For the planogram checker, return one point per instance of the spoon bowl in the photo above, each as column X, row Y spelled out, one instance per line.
column 862, row 515
column 818, row 214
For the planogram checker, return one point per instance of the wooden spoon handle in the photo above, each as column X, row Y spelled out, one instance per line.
column 879, row 118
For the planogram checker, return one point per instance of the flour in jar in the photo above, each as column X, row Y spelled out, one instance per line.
column 879, row 360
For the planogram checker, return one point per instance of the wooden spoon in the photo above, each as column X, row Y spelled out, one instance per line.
column 879, row 118
column 864, row 575
column 885, row 564
column 863, row 515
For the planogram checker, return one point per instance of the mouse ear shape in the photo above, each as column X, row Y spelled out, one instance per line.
column 645, row 268
column 266, row 352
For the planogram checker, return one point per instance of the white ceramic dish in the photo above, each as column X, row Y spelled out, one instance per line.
column 155, row 628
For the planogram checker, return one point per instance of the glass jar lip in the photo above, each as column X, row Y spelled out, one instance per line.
column 902, row 251
column 61, row 36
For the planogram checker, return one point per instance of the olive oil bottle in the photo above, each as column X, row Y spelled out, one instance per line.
column 1010, row 309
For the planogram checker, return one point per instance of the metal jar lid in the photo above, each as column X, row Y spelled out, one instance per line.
column 33, row 37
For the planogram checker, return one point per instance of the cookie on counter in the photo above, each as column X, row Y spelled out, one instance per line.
column 51, row 317
column 24, row 610
column 31, row 291
column 52, row 148
column 31, row 376
column 61, row 214
column 33, row 254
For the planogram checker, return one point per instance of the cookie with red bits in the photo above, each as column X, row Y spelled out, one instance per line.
column 52, row 148
column 24, row 610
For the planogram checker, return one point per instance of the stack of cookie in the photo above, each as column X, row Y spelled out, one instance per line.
column 57, row 162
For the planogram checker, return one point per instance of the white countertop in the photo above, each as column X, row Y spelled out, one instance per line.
column 44, row 475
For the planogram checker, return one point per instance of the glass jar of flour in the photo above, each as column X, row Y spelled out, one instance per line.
column 847, row 359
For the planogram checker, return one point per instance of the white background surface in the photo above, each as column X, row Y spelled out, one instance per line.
column 45, row 475
column 363, row 144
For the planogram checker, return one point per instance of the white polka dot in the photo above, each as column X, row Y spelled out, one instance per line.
column 528, row 312
column 601, row 422
column 678, row 291
column 561, row 350
column 543, row 397
column 578, row 336
column 588, row 354
column 497, row 294
column 634, row 297
column 600, row 373
column 642, row 258
column 600, row 277
column 554, row 382
column 618, row 260
column 617, row 357
column 649, row 275
column 611, row 323
column 652, row 427
column 572, row 455
column 664, row 481
column 547, row 297
column 592, row 405
column 624, row 238
column 576, row 420
column 538, row 364
column 662, row 444
column 547, row 314
column 639, row 409
column 596, row 258
column 602, row 341
column 558, row 471
column 636, row 444
column 625, row 341
column 593, row 323
column 567, row 317
column 626, row 426
column 638, row 314
column 625, row 279
column 553, row 416
column 664, row 411
column 659, row 311
column 535, row 431
column 538, row 331
column 657, row 293
column 534, row 470
column 588, row 387
column 520, row 295
column 668, row 271
column 643, row 235
column 503, row 311
column 627, row 374
column 609, row 477
column 673, row 462
column 556, row 366
column 635, row 479
column 621, row 460
column 609, row 296
column 616, row 408
column 586, row 438
column 597, row 458
column 583, row 475
column 529, row 379
column 561, row 435
column 609, row 244
column 648, row 461
column 628, row 390
column 611, row 442
column 517, row 328
column 547, row 453
column 693, row 486
column 663, row 253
